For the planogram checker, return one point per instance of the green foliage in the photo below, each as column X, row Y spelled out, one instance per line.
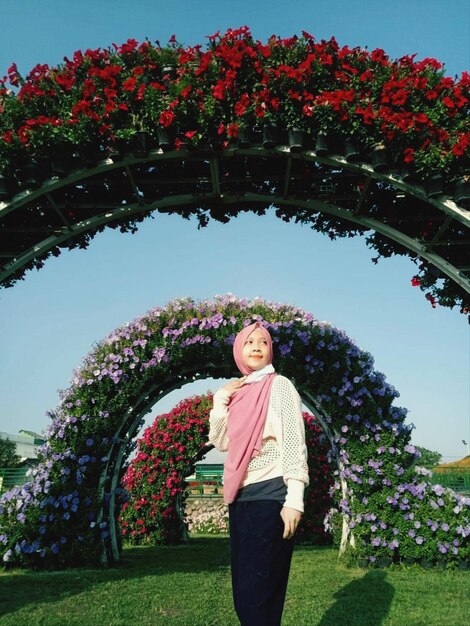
column 428, row 458
column 8, row 456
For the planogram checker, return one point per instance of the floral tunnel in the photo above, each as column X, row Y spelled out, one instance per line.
column 155, row 481
column 383, row 503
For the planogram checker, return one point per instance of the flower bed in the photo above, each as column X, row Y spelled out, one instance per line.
column 67, row 513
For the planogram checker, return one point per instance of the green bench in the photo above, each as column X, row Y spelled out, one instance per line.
column 207, row 480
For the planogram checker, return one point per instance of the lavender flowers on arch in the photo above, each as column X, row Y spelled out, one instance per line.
column 384, row 505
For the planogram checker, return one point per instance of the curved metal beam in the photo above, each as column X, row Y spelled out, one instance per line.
column 315, row 205
column 68, row 231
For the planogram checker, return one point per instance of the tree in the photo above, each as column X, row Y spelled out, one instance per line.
column 8, row 456
column 428, row 459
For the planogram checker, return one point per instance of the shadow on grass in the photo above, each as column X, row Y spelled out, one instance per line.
column 21, row 589
column 363, row 602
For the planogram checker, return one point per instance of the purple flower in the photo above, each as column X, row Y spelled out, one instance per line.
column 419, row 540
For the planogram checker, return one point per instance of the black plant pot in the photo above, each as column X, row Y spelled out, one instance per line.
column 464, row 565
column 362, row 562
column 435, row 186
column 29, row 175
column 351, row 151
column 256, row 135
column 379, row 158
column 141, row 144
column 5, row 188
column 410, row 177
column 216, row 141
column 244, row 138
column 90, row 153
column 321, row 144
column 63, row 161
column 408, row 561
column 296, row 139
column 384, row 562
column 271, row 136
column 462, row 191
column 165, row 138
column 118, row 149
column 426, row 563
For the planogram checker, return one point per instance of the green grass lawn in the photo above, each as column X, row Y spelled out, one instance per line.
column 190, row 586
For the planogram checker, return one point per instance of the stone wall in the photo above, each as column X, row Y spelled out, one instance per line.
column 206, row 515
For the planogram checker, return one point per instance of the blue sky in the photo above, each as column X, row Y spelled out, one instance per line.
column 49, row 321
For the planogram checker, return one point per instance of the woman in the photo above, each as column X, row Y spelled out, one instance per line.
column 258, row 419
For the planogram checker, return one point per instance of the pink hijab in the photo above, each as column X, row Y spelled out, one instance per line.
column 248, row 409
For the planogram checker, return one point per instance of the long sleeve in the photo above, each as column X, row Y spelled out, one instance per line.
column 218, row 421
column 287, row 403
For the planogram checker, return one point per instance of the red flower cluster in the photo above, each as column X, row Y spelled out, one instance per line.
column 166, row 454
column 236, row 82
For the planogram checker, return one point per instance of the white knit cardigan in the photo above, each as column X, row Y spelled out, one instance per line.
column 284, row 428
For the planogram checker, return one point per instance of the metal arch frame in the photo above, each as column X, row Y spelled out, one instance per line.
column 124, row 435
column 424, row 249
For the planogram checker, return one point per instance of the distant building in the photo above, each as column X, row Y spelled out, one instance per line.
column 27, row 443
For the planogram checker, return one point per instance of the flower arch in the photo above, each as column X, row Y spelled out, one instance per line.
column 344, row 140
column 167, row 453
column 67, row 513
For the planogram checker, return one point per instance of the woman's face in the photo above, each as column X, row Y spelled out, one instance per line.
column 255, row 353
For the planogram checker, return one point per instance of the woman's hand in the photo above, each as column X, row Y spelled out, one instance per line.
column 234, row 385
column 291, row 519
